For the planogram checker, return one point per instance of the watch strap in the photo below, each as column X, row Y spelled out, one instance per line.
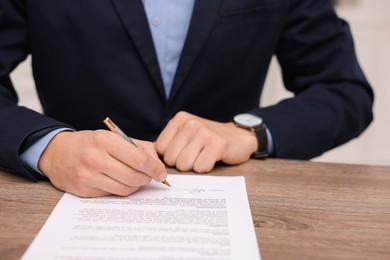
column 262, row 139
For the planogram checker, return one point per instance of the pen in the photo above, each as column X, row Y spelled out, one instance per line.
column 114, row 128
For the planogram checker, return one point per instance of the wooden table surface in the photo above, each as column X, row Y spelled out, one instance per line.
column 301, row 209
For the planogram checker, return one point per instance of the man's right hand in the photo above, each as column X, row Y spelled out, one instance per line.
column 99, row 163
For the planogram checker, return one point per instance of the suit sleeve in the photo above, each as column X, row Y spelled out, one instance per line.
column 333, row 100
column 16, row 123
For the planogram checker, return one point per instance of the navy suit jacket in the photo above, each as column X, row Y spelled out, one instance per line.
column 93, row 59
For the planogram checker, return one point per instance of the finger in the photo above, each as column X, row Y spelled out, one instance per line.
column 111, row 186
column 74, row 184
column 210, row 154
column 148, row 147
column 188, row 132
column 137, row 159
column 186, row 159
column 166, row 136
column 104, row 183
column 90, row 193
column 206, row 160
column 85, row 183
column 206, row 143
column 121, row 172
column 170, row 131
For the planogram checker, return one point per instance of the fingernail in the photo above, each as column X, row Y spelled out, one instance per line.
column 162, row 176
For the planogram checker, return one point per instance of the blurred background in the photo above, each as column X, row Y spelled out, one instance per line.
column 370, row 25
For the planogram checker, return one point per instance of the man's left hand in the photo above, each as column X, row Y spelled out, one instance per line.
column 189, row 142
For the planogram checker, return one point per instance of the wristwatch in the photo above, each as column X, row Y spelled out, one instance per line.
column 255, row 124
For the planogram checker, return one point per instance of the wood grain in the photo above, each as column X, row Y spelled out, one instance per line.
column 300, row 209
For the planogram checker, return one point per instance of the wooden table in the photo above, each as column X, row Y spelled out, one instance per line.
column 301, row 210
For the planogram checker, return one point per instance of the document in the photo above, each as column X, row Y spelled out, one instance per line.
column 200, row 217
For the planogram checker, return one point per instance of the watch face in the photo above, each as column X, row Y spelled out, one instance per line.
column 248, row 120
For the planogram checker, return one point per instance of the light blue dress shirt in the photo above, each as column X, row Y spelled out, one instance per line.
column 169, row 21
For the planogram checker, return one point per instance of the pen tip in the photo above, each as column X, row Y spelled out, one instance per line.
column 167, row 183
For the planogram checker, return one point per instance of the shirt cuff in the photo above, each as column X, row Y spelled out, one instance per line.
column 270, row 142
column 31, row 156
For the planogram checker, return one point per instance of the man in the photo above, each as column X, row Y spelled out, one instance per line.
column 145, row 62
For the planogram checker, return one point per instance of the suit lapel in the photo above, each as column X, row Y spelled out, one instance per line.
column 132, row 14
column 203, row 19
